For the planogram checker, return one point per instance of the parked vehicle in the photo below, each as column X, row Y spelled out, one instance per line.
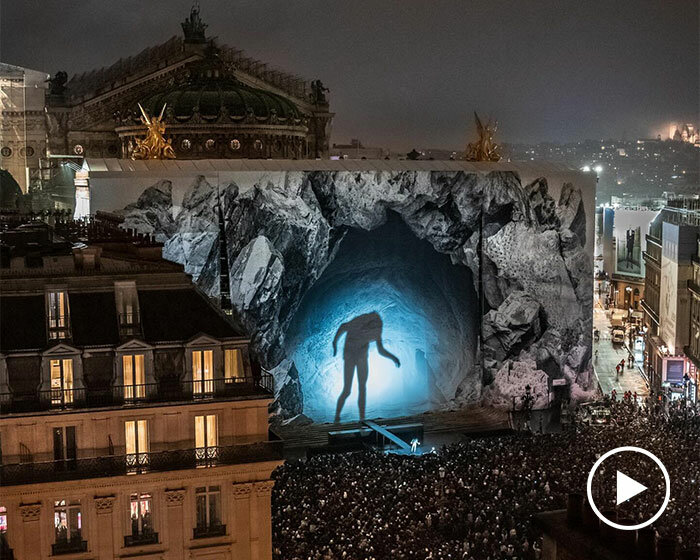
column 594, row 414
column 618, row 336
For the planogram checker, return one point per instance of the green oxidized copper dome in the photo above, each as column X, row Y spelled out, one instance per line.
column 221, row 99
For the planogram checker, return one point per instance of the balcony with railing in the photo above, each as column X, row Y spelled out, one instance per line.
column 650, row 258
column 164, row 390
column 141, row 463
column 207, row 531
column 693, row 287
column 73, row 546
column 140, row 539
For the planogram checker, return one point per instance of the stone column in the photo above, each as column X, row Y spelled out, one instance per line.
column 103, row 546
column 262, row 522
column 31, row 531
column 177, row 539
column 241, row 521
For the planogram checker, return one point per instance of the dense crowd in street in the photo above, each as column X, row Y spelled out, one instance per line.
column 474, row 500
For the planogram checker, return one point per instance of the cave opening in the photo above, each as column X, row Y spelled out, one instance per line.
column 405, row 324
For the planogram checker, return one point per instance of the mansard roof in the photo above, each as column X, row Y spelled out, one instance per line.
column 167, row 315
column 181, row 314
column 94, row 318
column 22, row 323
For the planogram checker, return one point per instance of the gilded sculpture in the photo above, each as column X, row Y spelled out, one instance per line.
column 484, row 148
column 154, row 145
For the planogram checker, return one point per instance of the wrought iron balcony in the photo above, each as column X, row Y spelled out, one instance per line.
column 139, row 539
column 206, row 531
column 694, row 288
column 69, row 546
column 165, row 390
column 160, row 461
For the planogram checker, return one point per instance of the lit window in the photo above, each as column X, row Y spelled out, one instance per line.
column 57, row 315
column 62, row 391
column 136, row 432
column 67, row 521
column 203, row 372
column 141, row 515
column 3, row 519
column 134, row 377
column 208, row 502
column 206, row 438
column 233, row 365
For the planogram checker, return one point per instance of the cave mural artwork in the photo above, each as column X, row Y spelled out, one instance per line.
column 390, row 293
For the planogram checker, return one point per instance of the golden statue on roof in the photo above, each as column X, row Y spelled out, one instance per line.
column 154, row 146
column 484, row 149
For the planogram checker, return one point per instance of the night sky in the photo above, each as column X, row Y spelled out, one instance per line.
column 406, row 73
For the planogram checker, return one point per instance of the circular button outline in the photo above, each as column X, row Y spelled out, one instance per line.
column 646, row 453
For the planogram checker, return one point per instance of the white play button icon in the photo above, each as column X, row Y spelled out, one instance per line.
column 627, row 488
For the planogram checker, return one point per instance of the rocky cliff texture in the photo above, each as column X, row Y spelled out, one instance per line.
column 282, row 233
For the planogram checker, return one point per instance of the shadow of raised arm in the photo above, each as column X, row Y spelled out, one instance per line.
column 341, row 329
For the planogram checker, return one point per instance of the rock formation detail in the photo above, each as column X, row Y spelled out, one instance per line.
column 526, row 253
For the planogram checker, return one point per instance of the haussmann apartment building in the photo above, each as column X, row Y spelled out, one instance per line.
column 133, row 423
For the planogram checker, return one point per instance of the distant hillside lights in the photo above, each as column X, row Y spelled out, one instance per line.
column 686, row 133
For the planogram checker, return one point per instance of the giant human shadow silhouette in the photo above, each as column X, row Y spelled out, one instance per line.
column 359, row 332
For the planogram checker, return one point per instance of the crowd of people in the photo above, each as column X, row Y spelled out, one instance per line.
column 474, row 500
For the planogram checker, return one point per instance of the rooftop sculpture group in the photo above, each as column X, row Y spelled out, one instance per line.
column 484, row 149
column 154, row 146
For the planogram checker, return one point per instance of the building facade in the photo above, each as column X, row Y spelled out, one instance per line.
column 623, row 245
column 216, row 103
column 133, row 421
column 672, row 245
column 23, row 132
column 693, row 348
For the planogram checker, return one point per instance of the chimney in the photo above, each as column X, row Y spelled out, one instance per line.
column 87, row 258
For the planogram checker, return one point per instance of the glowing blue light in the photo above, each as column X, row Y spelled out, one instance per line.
column 427, row 323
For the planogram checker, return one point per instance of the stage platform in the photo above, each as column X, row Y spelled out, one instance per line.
column 439, row 428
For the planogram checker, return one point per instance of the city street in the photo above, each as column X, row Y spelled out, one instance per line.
column 609, row 355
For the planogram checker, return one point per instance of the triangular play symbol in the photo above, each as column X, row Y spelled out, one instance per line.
column 627, row 488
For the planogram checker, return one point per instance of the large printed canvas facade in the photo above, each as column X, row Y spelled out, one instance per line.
column 388, row 293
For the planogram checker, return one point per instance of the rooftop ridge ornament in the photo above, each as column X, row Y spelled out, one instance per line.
column 154, row 146
column 484, row 149
column 193, row 27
